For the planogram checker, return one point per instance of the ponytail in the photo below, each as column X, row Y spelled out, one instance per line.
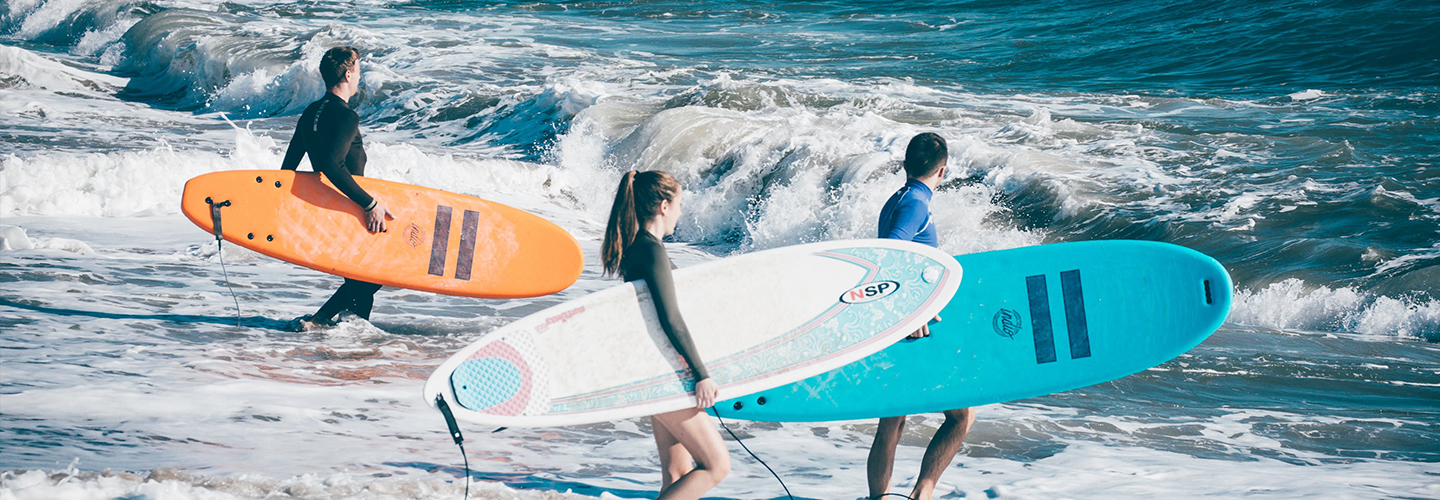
column 620, row 231
column 637, row 200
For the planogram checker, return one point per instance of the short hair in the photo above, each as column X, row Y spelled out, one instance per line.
column 336, row 62
column 925, row 154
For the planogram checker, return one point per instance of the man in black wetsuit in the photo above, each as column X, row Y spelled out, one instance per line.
column 330, row 133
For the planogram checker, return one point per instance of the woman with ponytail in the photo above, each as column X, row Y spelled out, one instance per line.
column 693, row 458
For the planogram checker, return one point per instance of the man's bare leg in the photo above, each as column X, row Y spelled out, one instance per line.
column 882, row 454
column 941, row 451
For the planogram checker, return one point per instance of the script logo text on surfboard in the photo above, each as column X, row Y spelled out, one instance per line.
column 1006, row 323
column 558, row 318
column 413, row 236
column 867, row 292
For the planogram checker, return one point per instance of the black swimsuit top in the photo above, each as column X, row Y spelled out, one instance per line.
column 330, row 133
column 645, row 259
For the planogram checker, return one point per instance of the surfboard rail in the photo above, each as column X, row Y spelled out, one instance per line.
column 1027, row 322
column 438, row 241
column 758, row 320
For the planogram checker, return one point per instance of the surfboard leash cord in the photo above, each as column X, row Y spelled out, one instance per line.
column 716, row 410
column 772, row 471
column 456, row 436
column 220, row 250
column 459, row 439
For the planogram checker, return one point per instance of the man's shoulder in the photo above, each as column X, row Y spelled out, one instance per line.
column 342, row 115
column 314, row 106
column 334, row 118
column 910, row 203
column 896, row 198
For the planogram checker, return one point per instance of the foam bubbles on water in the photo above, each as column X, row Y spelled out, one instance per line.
column 277, row 89
column 777, row 175
column 121, row 184
column 14, row 238
column 1293, row 305
column 72, row 484
column 150, row 182
column 27, row 69
column 65, row 244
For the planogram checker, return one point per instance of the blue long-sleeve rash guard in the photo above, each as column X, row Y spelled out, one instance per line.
column 906, row 215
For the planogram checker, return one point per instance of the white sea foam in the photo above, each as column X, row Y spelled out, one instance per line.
column 255, row 412
column 39, row 72
column 42, row 15
column 149, row 182
column 14, row 238
column 73, row 484
column 64, row 244
column 131, row 360
column 1081, row 468
column 1307, row 95
column 120, row 184
column 278, row 89
column 1293, row 305
column 756, row 178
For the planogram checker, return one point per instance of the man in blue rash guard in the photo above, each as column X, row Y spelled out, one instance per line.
column 906, row 216
column 329, row 132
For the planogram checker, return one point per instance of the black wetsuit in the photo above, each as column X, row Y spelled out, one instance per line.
column 330, row 133
column 645, row 259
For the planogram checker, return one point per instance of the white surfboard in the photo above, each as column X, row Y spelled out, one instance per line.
column 759, row 320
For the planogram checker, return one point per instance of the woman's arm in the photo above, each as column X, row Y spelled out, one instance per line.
column 667, row 310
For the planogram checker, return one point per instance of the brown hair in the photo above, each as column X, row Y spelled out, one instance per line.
column 925, row 154
column 637, row 200
column 336, row 62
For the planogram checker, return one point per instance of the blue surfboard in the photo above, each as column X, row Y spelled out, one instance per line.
column 1026, row 322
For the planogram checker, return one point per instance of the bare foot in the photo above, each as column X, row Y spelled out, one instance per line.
column 303, row 324
column 922, row 491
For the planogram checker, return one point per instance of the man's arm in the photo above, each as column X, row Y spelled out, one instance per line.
column 335, row 146
column 296, row 151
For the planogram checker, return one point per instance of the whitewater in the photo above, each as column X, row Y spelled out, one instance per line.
column 1306, row 168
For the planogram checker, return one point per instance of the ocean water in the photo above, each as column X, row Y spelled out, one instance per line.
column 1293, row 141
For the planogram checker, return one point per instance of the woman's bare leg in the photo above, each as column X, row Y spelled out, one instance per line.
column 675, row 462
column 692, row 428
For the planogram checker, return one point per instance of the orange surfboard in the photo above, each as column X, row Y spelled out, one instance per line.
column 439, row 241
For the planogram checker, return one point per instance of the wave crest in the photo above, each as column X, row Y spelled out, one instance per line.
column 1293, row 305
